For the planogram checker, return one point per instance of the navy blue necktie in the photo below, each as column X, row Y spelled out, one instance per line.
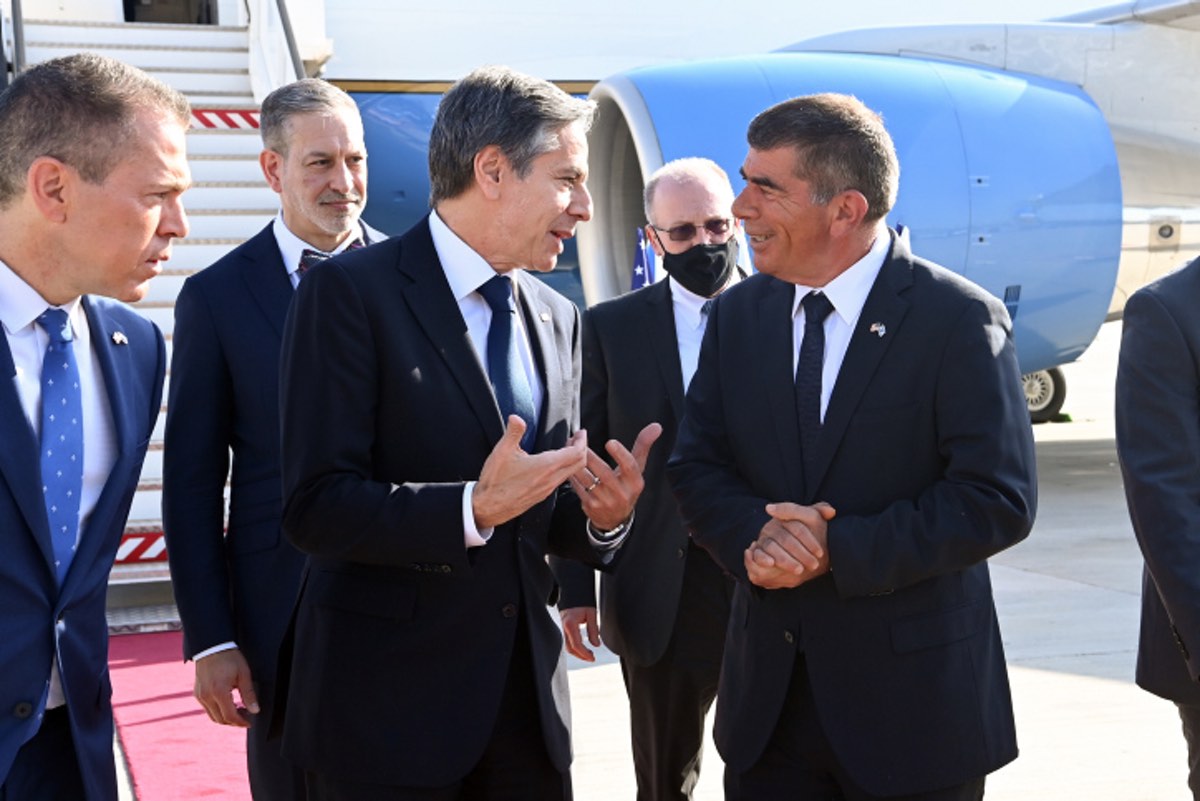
column 513, row 393
column 808, row 379
column 61, row 438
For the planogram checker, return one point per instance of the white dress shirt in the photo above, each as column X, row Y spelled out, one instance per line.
column 848, row 294
column 20, row 306
column 690, row 324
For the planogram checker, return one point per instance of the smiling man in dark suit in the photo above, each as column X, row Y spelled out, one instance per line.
column 856, row 445
column 92, row 169
column 432, row 459
column 666, row 606
column 235, row 592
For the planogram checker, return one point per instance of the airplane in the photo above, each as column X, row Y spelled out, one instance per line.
column 1056, row 164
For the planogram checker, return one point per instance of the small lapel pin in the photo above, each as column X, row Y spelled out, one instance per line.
column 545, row 316
column 119, row 338
column 878, row 329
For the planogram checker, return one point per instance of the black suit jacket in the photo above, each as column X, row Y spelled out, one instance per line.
column 403, row 636
column 927, row 456
column 40, row 621
column 1158, row 440
column 632, row 377
column 223, row 402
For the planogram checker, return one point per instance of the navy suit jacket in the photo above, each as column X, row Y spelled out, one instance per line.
column 1158, row 440
column 632, row 377
column 40, row 622
column 926, row 453
column 403, row 636
column 223, row 401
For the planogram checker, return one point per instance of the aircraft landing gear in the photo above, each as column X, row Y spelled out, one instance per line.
column 1045, row 391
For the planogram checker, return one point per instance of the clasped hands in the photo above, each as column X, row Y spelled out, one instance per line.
column 792, row 547
column 513, row 481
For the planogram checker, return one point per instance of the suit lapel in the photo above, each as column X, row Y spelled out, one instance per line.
column 884, row 310
column 433, row 305
column 266, row 277
column 777, row 368
column 19, row 463
column 664, row 344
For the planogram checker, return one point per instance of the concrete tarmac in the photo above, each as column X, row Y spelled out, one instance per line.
column 1068, row 600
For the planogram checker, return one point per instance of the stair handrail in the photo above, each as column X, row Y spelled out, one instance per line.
column 271, row 66
column 18, row 30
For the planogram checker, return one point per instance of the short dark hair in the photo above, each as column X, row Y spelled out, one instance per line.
column 498, row 106
column 840, row 144
column 306, row 96
column 80, row 109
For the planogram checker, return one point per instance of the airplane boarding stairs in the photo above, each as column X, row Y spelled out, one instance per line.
column 229, row 201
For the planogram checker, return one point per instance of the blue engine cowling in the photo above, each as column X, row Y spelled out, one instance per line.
column 1011, row 180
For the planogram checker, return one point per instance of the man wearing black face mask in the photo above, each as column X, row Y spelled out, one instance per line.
column 665, row 606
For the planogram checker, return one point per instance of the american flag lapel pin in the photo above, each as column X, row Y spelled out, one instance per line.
column 878, row 329
column 119, row 338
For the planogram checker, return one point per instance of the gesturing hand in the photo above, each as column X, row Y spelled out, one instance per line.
column 512, row 481
column 608, row 494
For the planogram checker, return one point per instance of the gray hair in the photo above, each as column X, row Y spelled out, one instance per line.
column 840, row 144
column 519, row 114
column 682, row 171
column 79, row 109
column 305, row 96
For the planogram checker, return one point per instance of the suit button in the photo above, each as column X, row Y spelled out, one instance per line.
column 789, row 638
column 23, row 710
column 509, row 610
column 679, row 553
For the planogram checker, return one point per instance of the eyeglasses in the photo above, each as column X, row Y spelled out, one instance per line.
column 718, row 226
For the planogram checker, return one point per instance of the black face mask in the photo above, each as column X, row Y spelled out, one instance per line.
column 703, row 269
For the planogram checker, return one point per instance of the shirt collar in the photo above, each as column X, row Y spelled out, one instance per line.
column 688, row 304
column 465, row 269
column 291, row 247
column 21, row 304
column 848, row 292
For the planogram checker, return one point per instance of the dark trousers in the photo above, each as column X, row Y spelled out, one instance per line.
column 799, row 764
column 669, row 699
column 272, row 778
column 46, row 767
column 1190, row 715
column 515, row 765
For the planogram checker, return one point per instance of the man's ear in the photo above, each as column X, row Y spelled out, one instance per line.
column 655, row 242
column 271, row 162
column 49, row 183
column 849, row 209
column 491, row 166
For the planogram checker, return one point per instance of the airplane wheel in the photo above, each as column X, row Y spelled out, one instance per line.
column 1045, row 392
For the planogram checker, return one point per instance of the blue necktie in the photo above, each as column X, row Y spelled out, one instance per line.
column 310, row 258
column 513, row 393
column 62, row 438
column 808, row 380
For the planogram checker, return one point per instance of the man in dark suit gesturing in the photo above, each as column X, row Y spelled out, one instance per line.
column 236, row 592
column 1158, row 441
column 430, row 415
column 856, row 446
column 666, row 606
column 92, row 167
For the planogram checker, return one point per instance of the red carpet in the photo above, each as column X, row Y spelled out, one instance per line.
column 173, row 750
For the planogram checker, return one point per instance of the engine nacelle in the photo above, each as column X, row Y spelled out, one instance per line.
column 1010, row 180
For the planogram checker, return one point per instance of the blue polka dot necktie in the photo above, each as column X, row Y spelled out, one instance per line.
column 61, row 438
column 808, row 380
column 507, row 373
